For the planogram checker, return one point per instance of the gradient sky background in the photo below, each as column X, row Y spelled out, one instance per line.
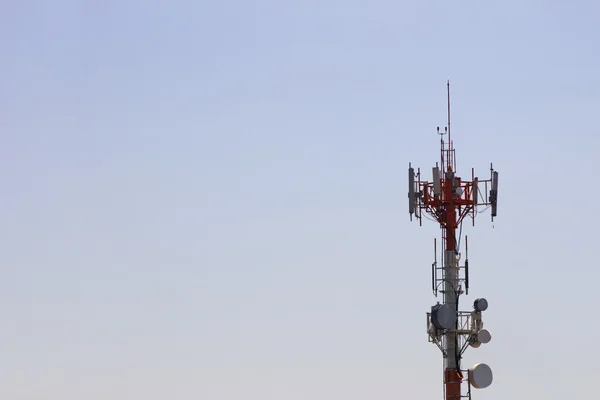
column 207, row 199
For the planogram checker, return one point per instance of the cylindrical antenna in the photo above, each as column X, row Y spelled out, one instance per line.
column 448, row 84
column 449, row 139
column 434, row 267
column 467, row 263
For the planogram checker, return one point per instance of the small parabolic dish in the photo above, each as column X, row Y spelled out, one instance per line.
column 480, row 304
column 443, row 316
column 484, row 336
column 480, row 376
column 475, row 344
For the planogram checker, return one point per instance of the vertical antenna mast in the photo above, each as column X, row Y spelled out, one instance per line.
column 448, row 87
column 450, row 145
column 448, row 199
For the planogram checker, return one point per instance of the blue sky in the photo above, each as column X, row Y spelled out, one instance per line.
column 207, row 200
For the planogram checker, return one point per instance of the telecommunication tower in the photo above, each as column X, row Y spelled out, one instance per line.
column 448, row 199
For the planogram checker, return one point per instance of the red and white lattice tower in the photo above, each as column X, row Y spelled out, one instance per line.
column 448, row 199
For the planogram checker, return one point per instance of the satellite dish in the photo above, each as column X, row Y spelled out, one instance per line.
column 480, row 304
column 484, row 336
column 475, row 344
column 443, row 316
column 480, row 376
